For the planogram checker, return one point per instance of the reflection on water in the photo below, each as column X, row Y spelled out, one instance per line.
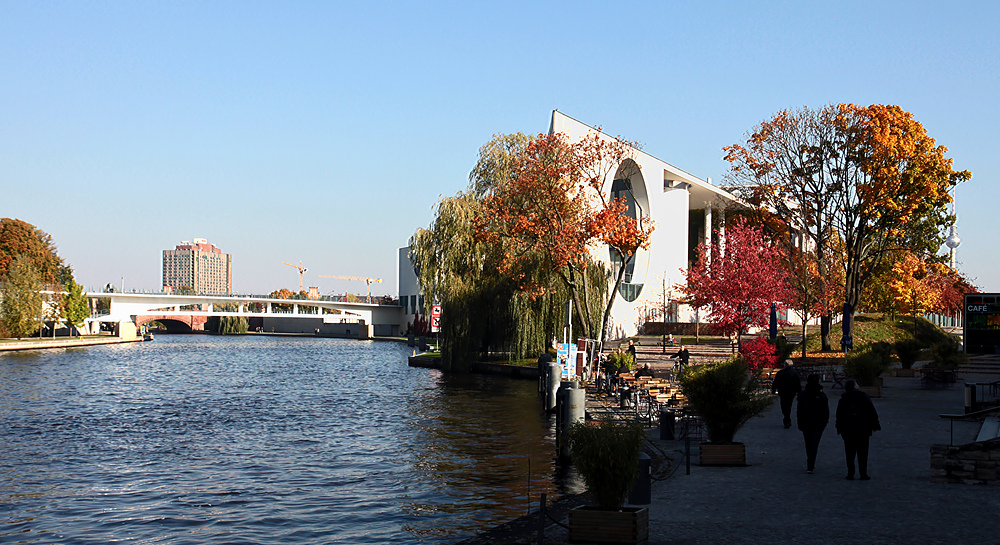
column 201, row 439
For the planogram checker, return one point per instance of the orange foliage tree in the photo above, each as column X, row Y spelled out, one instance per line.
column 19, row 238
column 867, row 178
column 555, row 206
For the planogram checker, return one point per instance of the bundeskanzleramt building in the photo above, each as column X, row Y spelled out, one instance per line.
column 199, row 266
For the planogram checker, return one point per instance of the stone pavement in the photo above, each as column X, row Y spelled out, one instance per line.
column 774, row 500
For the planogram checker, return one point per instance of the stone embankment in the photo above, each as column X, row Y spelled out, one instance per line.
column 64, row 342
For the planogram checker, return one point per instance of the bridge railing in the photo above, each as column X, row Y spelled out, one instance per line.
column 382, row 301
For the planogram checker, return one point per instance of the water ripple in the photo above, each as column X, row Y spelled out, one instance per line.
column 211, row 440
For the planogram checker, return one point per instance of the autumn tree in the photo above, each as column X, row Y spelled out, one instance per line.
column 738, row 284
column 554, row 206
column 21, row 306
column 489, row 302
column 19, row 238
column 869, row 178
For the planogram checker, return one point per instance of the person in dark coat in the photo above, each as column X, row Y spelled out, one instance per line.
column 787, row 385
column 856, row 420
column 812, row 415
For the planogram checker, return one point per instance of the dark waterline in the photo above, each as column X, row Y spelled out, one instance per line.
column 204, row 439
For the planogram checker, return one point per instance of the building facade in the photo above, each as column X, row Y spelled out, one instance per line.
column 197, row 266
column 686, row 210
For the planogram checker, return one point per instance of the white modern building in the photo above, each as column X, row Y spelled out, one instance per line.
column 682, row 207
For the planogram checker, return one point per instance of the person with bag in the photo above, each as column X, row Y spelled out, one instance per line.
column 812, row 414
column 856, row 420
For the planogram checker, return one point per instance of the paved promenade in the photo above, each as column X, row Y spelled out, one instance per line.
column 774, row 500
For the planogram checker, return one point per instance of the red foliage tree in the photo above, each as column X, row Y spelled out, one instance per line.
column 758, row 354
column 740, row 282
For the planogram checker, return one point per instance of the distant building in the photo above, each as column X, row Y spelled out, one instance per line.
column 198, row 266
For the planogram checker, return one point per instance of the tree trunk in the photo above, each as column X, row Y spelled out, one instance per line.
column 824, row 332
column 611, row 300
column 804, row 321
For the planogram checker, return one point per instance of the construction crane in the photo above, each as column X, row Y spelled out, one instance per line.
column 302, row 271
column 364, row 278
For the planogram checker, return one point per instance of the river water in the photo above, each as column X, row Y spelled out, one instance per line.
column 207, row 440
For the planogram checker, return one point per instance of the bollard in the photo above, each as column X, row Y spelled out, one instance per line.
column 624, row 397
column 666, row 425
column 641, row 493
column 970, row 397
column 569, row 409
column 552, row 378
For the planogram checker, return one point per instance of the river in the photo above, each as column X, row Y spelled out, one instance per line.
column 254, row 439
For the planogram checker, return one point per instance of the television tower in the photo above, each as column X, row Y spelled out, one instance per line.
column 953, row 241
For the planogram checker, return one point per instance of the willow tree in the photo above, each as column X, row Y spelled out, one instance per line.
column 490, row 301
column 550, row 207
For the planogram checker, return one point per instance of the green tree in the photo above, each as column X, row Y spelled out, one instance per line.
column 21, row 307
column 75, row 305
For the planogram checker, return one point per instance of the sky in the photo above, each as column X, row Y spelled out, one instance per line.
column 325, row 132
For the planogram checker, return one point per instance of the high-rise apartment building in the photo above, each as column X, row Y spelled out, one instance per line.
column 198, row 266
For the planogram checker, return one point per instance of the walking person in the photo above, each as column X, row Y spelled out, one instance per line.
column 812, row 415
column 856, row 420
column 787, row 385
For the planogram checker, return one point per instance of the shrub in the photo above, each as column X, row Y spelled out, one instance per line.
column 908, row 350
column 726, row 396
column 782, row 348
column 759, row 353
column 618, row 359
column 607, row 457
column 947, row 354
column 868, row 362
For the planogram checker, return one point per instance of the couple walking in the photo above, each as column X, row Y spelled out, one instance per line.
column 856, row 419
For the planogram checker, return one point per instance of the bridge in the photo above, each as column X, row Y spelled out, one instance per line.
column 189, row 312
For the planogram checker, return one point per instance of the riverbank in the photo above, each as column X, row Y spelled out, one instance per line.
column 479, row 367
column 64, row 342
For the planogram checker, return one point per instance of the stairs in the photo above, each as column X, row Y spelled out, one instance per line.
column 984, row 368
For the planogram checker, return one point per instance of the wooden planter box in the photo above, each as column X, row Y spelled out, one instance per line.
column 872, row 391
column 710, row 454
column 589, row 524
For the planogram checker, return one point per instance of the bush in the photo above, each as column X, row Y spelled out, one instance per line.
column 607, row 457
column 868, row 362
column 947, row 354
column 782, row 348
column 759, row 353
column 726, row 396
column 908, row 350
column 618, row 359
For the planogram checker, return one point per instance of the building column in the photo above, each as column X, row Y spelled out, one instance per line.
column 295, row 308
column 722, row 232
column 708, row 232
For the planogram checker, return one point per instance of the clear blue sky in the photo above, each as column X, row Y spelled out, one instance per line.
column 325, row 132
